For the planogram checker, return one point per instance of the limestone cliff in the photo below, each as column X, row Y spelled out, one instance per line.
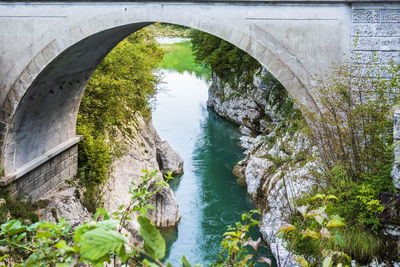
column 277, row 163
column 143, row 153
column 144, row 150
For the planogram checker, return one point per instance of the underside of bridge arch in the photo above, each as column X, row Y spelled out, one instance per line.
column 44, row 121
column 45, row 118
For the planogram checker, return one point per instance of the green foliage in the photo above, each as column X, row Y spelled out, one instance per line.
column 359, row 200
column 153, row 241
column 98, row 241
column 122, row 85
column 353, row 131
column 35, row 243
column 179, row 57
column 95, row 242
column 317, row 230
column 361, row 244
column 225, row 60
column 94, row 164
column 359, row 205
column 236, row 242
column 352, row 126
column 119, row 89
column 18, row 208
column 46, row 243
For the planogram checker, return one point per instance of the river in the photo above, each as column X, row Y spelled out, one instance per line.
column 209, row 198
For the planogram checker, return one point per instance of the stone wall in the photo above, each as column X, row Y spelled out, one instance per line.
column 376, row 30
column 396, row 137
column 47, row 176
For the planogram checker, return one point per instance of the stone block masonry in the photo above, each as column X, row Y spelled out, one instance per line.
column 376, row 32
column 396, row 138
column 47, row 176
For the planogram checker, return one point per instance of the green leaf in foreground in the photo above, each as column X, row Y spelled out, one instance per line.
column 149, row 264
column 98, row 242
column 153, row 241
column 335, row 221
column 287, row 228
column 185, row 262
column 328, row 262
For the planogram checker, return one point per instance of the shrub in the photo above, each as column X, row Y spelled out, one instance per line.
column 352, row 126
column 18, row 208
column 119, row 89
column 95, row 242
column 353, row 130
column 314, row 232
column 233, row 66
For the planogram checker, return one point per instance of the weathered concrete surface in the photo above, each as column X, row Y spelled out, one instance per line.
column 49, row 50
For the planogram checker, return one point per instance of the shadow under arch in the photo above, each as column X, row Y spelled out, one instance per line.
column 43, row 114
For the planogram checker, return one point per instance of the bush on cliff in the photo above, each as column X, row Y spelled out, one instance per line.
column 232, row 65
column 353, row 130
column 119, row 89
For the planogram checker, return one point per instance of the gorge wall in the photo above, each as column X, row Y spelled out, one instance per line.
column 280, row 161
column 278, row 156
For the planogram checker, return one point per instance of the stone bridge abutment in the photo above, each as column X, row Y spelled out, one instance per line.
column 49, row 51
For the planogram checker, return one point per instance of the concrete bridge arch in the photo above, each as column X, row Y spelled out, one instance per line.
column 41, row 94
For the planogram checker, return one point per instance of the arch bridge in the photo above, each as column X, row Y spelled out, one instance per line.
column 49, row 50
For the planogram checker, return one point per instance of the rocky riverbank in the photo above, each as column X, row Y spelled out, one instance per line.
column 278, row 156
column 144, row 150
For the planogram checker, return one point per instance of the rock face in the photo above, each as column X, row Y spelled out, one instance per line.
column 275, row 169
column 274, row 179
column 64, row 203
column 242, row 110
column 279, row 159
column 142, row 155
column 166, row 213
column 255, row 109
column 145, row 151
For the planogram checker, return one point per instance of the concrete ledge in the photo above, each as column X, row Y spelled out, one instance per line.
column 40, row 160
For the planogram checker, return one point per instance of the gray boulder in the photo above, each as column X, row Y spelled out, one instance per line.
column 64, row 204
column 168, row 159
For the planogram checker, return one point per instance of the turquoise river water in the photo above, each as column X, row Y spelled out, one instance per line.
column 209, row 198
